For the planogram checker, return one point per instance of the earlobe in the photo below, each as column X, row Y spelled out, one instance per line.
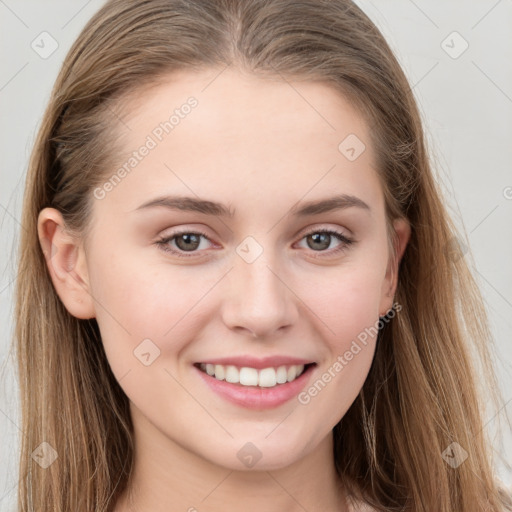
column 402, row 229
column 65, row 259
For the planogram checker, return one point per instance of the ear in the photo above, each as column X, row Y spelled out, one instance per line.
column 66, row 262
column 403, row 233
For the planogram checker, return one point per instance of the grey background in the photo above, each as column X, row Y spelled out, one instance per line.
column 465, row 100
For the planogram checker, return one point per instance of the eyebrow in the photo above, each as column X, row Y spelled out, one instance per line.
column 193, row 204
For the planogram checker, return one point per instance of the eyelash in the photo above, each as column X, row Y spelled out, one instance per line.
column 163, row 242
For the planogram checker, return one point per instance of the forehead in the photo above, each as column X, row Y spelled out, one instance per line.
column 238, row 137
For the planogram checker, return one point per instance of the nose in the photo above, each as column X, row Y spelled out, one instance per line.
column 258, row 298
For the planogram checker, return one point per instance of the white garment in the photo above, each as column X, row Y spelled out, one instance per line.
column 359, row 506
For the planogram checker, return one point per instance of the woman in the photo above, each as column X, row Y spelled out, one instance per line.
column 239, row 283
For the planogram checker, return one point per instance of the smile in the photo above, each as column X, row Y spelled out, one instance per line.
column 247, row 376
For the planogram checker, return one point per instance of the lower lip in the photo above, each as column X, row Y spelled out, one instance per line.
column 255, row 397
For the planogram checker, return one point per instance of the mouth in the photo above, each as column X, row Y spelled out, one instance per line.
column 249, row 377
column 262, row 388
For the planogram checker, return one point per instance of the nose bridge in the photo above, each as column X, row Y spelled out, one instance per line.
column 258, row 298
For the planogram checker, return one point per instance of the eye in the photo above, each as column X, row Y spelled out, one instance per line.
column 321, row 239
column 186, row 241
column 190, row 241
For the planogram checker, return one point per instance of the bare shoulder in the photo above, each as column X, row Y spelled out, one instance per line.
column 359, row 506
column 354, row 497
column 363, row 507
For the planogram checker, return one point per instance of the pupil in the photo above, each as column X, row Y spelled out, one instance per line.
column 317, row 239
column 188, row 237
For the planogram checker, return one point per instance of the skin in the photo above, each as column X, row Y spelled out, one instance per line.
column 260, row 147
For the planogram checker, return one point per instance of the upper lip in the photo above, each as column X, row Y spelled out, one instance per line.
column 258, row 363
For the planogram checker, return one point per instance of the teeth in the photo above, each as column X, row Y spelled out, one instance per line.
column 265, row 378
column 248, row 376
column 232, row 374
column 281, row 375
column 220, row 372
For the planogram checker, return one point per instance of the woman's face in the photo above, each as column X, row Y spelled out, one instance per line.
column 249, row 279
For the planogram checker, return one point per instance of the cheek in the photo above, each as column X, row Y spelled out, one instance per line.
column 342, row 375
column 346, row 300
column 346, row 307
column 136, row 303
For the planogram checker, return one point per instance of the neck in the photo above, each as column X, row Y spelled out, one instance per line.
column 167, row 476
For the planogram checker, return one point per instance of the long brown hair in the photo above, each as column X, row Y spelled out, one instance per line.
column 423, row 391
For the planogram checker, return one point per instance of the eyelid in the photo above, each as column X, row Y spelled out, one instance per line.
column 164, row 240
column 345, row 241
column 316, row 227
column 338, row 232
